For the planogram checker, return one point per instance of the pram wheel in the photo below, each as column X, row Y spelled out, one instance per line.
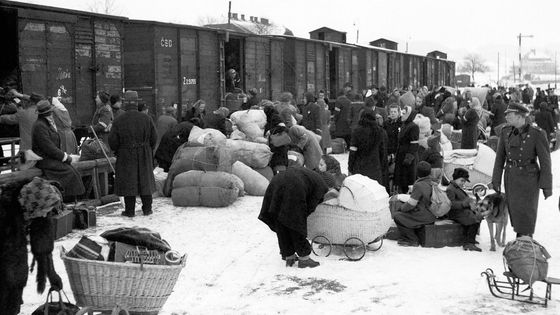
column 376, row 244
column 354, row 248
column 479, row 190
column 321, row 246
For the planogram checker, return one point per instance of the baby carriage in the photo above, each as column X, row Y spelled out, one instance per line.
column 357, row 220
column 479, row 162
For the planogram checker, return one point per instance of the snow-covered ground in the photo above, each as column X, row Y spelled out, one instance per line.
column 234, row 267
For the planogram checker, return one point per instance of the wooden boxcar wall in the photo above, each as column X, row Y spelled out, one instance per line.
column 382, row 69
column 257, row 64
column 277, row 50
column 305, row 67
column 169, row 64
column 59, row 53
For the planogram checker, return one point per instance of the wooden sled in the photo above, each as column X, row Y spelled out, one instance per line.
column 513, row 288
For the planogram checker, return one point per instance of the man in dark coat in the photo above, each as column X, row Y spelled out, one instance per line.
column 56, row 164
column 498, row 108
column 311, row 114
column 519, row 147
column 368, row 150
column 415, row 213
column 545, row 120
column 290, row 198
column 342, row 119
column 463, row 208
column 133, row 138
column 407, row 151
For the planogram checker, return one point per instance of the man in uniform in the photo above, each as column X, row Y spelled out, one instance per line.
column 519, row 147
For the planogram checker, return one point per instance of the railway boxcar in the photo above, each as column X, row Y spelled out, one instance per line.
column 59, row 52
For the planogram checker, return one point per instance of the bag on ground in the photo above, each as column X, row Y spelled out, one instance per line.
column 255, row 183
column 252, row 154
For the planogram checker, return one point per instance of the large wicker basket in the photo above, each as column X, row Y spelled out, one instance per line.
column 338, row 224
column 104, row 285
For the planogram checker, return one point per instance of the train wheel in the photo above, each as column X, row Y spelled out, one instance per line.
column 354, row 248
column 376, row 244
column 321, row 246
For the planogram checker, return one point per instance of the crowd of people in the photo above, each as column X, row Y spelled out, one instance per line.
column 381, row 130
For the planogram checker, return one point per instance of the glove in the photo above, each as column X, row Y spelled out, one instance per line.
column 68, row 160
column 408, row 159
column 547, row 193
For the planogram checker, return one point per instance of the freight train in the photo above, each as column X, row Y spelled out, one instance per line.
column 73, row 54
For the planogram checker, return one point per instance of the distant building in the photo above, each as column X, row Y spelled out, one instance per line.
column 251, row 25
column 384, row 43
column 535, row 64
column 463, row 80
column 328, row 34
column 437, row 54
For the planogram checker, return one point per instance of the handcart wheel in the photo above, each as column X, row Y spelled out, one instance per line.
column 354, row 248
column 376, row 244
column 321, row 246
column 479, row 190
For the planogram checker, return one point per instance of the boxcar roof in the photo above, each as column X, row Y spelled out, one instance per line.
column 21, row 5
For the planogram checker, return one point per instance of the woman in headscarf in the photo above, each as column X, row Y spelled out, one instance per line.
column 63, row 123
column 197, row 111
column 368, row 149
column 289, row 199
column 469, row 134
column 407, row 151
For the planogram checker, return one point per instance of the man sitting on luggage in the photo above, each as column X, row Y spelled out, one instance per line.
column 415, row 213
column 464, row 208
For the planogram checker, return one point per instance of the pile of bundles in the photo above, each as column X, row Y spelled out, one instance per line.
column 211, row 170
column 135, row 245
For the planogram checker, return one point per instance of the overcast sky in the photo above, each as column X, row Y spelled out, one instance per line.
column 457, row 27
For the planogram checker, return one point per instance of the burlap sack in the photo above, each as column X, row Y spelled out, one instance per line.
column 255, row 183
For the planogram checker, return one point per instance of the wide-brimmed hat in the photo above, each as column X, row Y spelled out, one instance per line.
column 517, row 108
column 461, row 173
column 44, row 107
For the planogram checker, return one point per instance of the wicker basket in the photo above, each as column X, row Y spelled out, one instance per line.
column 104, row 285
column 338, row 224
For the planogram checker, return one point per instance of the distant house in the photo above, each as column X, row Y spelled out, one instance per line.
column 252, row 25
column 328, row 34
column 437, row 54
column 385, row 43
column 463, row 80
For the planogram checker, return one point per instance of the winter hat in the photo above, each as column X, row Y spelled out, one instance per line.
column 285, row 97
column 44, row 107
column 461, row 173
column 423, row 169
column 104, row 96
column 309, row 97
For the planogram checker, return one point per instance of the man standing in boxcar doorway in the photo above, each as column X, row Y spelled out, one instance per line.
column 133, row 138
column 519, row 147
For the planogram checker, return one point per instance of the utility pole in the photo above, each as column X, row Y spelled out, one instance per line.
column 555, row 70
column 498, row 79
column 520, row 64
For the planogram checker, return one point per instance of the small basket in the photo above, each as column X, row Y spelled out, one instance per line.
column 135, row 287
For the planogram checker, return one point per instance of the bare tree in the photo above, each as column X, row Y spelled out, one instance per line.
column 473, row 63
column 104, row 7
column 263, row 28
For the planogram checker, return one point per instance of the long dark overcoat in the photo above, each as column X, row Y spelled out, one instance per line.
column 368, row 153
column 342, row 119
column 517, row 154
column 133, row 138
column 291, row 197
column 469, row 133
column 407, row 144
column 460, row 208
column 45, row 142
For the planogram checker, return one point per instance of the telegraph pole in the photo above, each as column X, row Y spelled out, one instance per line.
column 498, row 79
column 520, row 64
column 229, row 14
